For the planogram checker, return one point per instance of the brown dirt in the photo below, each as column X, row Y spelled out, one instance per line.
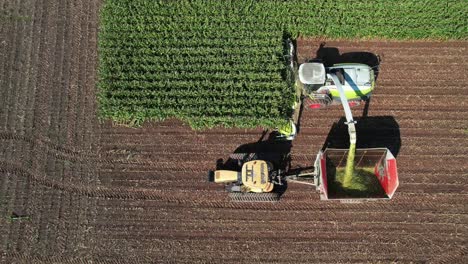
column 106, row 193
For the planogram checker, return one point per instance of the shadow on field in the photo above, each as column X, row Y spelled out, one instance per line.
column 331, row 55
column 270, row 149
column 372, row 132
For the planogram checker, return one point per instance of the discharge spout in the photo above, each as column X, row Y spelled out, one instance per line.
column 349, row 116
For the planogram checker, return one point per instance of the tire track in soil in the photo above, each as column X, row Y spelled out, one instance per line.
column 38, row 79
column 292, row 200
column 44, row 125
column 212, row 257
column 75, row 61
column 52, row 119
column 17, row 117
column 347, row 238
column 55, row 168
column 74, row 205
column 255, row 228
column 239, row 218
column 9, row 181
column 17, row 76
column 8, row 42
column 87, row 103
column 296, row 249
column 29, row 233
column 147, row 212
column 57, row 216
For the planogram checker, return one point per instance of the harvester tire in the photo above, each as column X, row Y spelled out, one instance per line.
column 254, row 197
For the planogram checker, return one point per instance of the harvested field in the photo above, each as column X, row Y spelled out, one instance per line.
column 99, row 192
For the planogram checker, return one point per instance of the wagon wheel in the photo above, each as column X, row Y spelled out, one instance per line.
column 254, row 197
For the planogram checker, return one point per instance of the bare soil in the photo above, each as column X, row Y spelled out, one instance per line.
column 99, row 192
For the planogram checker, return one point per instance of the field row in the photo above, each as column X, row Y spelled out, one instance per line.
column 212, row 81
column 403, row 19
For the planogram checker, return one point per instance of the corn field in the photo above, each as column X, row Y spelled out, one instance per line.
column 214, row 63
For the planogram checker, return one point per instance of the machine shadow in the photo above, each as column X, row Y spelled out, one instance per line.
column 372, row 132
column 272, row 150
column 331, row 55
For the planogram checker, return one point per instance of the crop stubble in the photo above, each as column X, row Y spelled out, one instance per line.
column 104, row 192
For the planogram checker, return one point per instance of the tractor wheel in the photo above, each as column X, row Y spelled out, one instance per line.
column 254, row 197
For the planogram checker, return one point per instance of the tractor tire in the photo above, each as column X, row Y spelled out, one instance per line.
column 243, row 157
column 238, row 156
column 254, row 197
